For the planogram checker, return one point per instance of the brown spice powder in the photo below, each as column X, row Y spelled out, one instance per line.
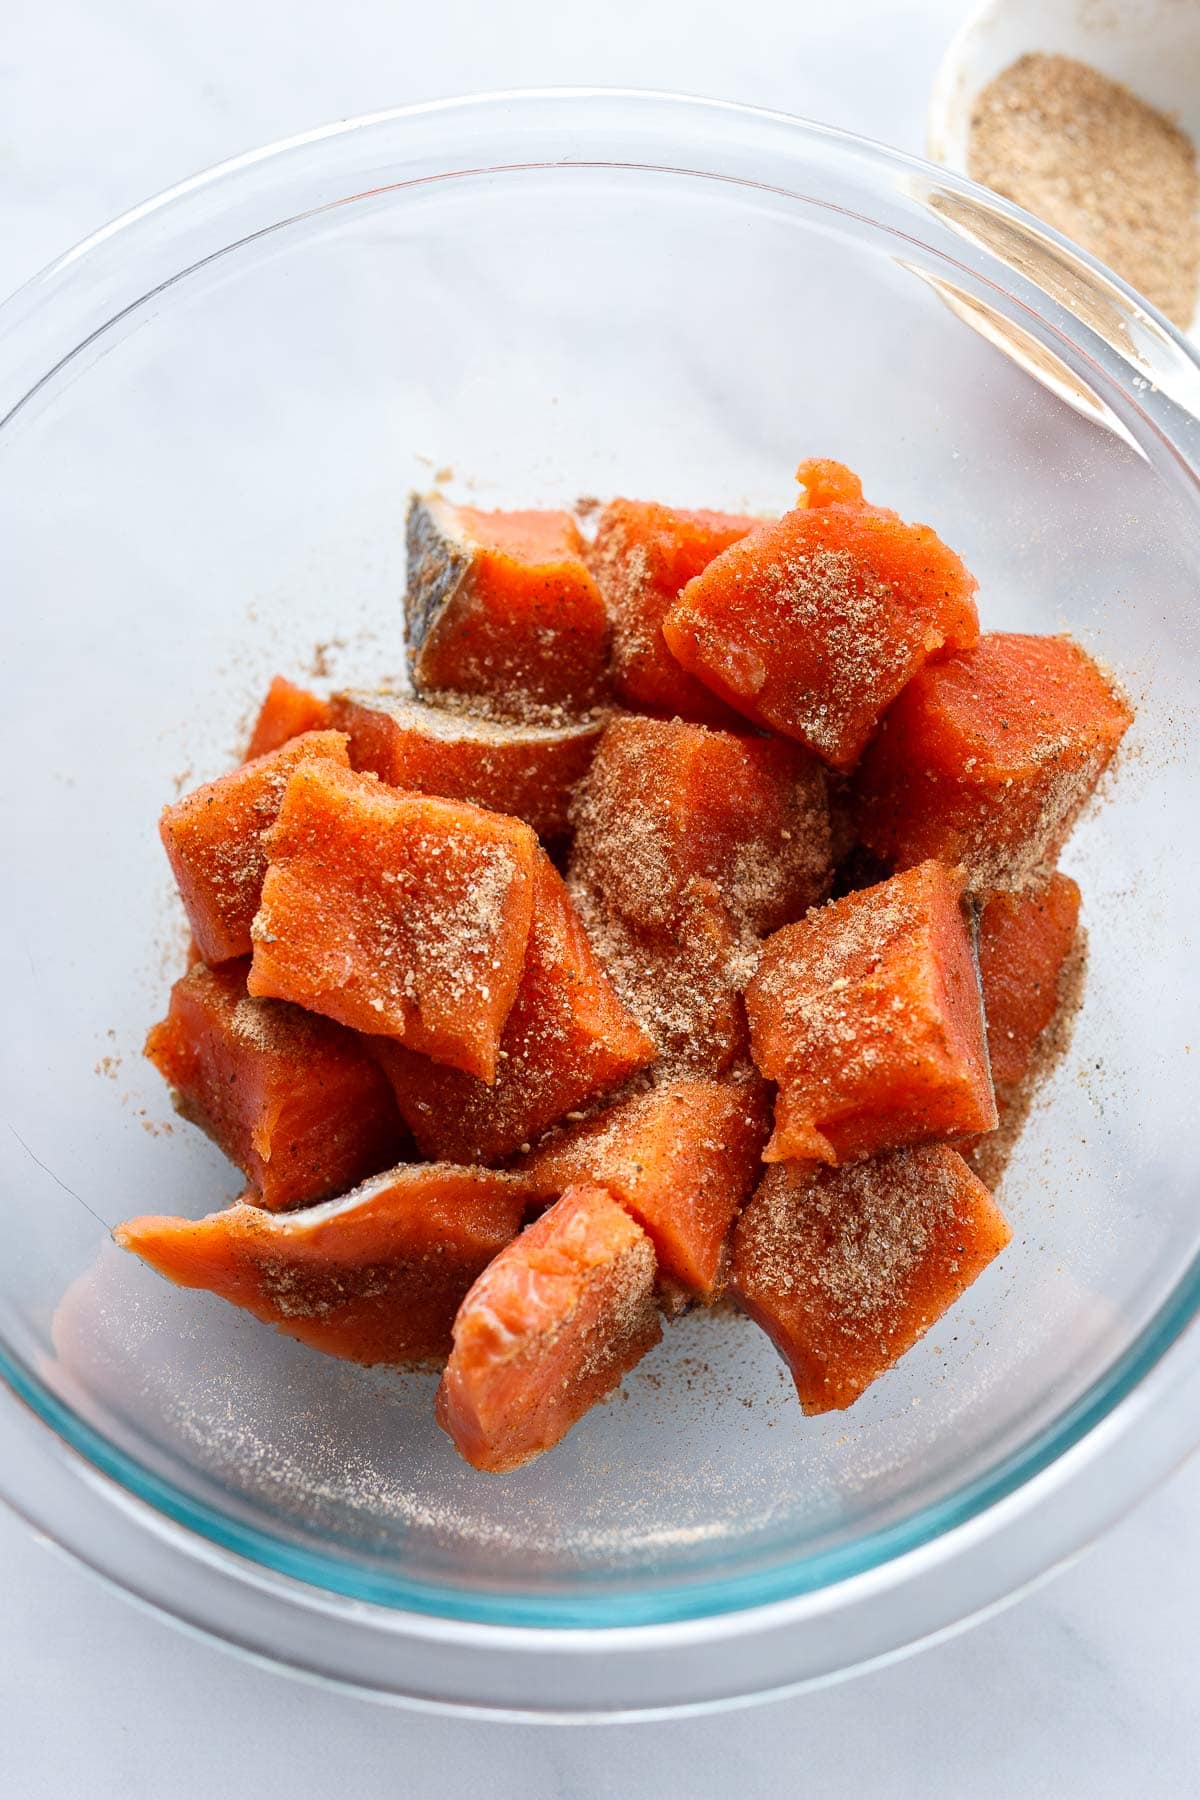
column 1091, row 159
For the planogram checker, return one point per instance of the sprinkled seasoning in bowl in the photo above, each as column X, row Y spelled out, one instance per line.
column 1089, row 157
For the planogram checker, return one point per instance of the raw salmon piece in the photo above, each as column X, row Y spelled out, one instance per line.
column 527, row 770
column 287, row 712
column 567, row 1039
column 502, row 606
column 666, row 804
column 643, row 556
column 868, row 1015
column 682, row 1158
column 548, row 1329
column 683, row 983
column 1024, row 943
column 1031, row 966
column 294, row 1100
column 214, row 841
column 814, row 624
column 987, row 757
column 375, row 1276
column 398, row 914
column 845, row 1269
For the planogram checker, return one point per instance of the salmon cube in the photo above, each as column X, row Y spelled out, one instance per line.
column 548, row 1330
column 667, row 804
column 375, row 1276
column 567, row 1039
column 295, row 1101
column 214, row 841
column 397, row 914
column 812, row 625
column 1025, row 941
column 845, row 1269
column 682, row 1158
column 502, row 606
column 287, row 712
column 1031, row 965
column 643, row 556
column 528, row 770
column 868, row 1015
column 987, row 757
column 683, row 983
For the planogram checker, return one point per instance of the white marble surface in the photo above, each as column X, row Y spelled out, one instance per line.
column 1089, row 1687
column 1086, row 1690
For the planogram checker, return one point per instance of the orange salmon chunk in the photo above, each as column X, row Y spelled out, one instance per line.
column 294, row 1100
column 568, row 1038
column 987, row 757
column 1025, row 941
column 502, row 605
column 643, row 556
column 868, row 1015
column 214, row 841
column 666, row 805
column 548, row 1329
column 527, row 770
column 845, row 1269
column 683, row 982
column 813, row 625
column 287, row 712
column 682, row 1158
column 398, row 914
column 375, row 1276
column 1031, row 964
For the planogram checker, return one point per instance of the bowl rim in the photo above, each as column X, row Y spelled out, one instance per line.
column 701, row 1609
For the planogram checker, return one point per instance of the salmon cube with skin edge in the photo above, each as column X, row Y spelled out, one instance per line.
column 528, row 770
column 868, row 1015
column 682, row 1157
column 214, row 841
column 400, row 915
column 548, row 1330
column 287, row 712
column 666, row 804
column 642, row 557
column 297, row 1102
column 567, row 1039
column 502, row 606
column 846, row 1269
column 812, row 625
column 987, row 758
column 375, row 1276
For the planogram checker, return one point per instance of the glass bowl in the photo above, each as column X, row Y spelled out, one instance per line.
column 212, row 414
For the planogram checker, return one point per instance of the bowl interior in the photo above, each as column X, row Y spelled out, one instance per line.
column 212, row 490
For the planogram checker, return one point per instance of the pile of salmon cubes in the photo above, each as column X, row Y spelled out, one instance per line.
column 688, row 927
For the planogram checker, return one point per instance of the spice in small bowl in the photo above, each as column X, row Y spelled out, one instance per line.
column 1089, row 157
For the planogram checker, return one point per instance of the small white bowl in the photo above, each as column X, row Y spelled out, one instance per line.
column 1152, row 46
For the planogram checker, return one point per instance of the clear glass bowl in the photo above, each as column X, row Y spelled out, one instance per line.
column 214, row 411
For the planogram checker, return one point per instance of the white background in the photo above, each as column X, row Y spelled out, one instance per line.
column 1090, row 1687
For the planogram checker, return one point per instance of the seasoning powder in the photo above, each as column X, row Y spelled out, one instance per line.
column 1091, row 159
